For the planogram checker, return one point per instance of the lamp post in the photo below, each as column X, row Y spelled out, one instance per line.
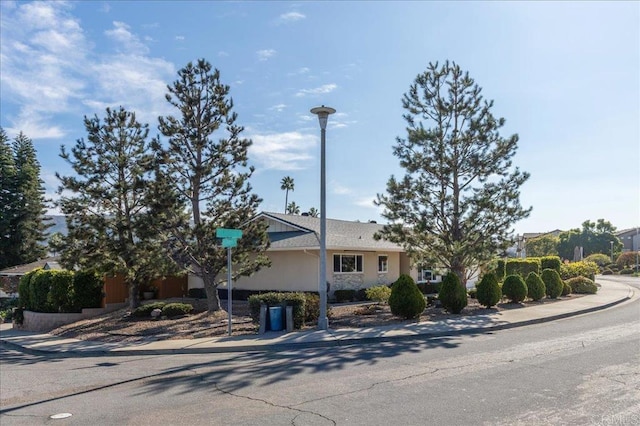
column 323, row 114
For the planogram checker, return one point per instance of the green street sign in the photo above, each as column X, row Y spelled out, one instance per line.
column 228, row 233
column 229, row 242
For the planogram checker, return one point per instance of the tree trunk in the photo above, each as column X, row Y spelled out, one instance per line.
column 459, row 269
column 213, row 302
column 134, row 295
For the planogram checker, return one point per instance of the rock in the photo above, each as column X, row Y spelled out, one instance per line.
column 156, row 313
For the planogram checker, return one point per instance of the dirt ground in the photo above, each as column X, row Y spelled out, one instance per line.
column 120, row 326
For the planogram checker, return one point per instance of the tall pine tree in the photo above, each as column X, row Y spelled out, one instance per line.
column 8, row 195
column 23, row 224
column 108, row 212
column 460, row 194
column 205, row 166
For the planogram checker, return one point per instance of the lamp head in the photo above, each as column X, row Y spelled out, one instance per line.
column 323, row 114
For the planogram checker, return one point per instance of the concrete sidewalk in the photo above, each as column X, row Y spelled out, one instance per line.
column 610, row 294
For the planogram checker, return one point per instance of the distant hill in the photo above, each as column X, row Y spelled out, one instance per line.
column 59, row 224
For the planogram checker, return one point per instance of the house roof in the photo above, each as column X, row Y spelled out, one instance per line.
column 293, row 232
column 19, row 270
column 625, row 232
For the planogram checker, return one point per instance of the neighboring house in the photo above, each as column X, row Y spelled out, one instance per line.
column 354, row 258
column 9, row 277
column 630, row 239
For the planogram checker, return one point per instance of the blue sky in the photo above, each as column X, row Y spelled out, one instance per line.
column 565, row 76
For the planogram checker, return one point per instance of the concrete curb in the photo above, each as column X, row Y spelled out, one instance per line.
column 335, row 340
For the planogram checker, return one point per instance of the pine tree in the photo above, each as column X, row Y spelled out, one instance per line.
column 8, row 254
column 29, row 227
column 205, row 166
column 460, row 193
column 108, row 215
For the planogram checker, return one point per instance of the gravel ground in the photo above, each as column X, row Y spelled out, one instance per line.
column 120, row 326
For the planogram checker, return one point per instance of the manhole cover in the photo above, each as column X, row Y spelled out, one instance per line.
column 61, row 416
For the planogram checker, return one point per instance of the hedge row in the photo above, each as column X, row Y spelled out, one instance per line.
column 60, row 291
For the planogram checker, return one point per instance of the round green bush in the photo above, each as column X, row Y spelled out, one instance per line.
column 582, row 285
column 626, row 271
column 607, row 271
column 406, row 299
column 535, row 287
column 552, row 282
column 176, row 309
column 566, row 289
column 514, row 288
column 379, row 293
column 452, row 295
column 144, row 311
column 488, row 290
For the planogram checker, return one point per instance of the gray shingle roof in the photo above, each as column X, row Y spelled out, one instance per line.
column 341, row 234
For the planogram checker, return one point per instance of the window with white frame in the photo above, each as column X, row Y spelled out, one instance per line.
column 347, row 263
column 383, row 263
column 425, row 274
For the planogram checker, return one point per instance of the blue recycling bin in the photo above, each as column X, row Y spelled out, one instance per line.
column 275, row 318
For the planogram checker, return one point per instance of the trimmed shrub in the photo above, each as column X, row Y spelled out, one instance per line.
column 24, row 289
column 344, row 295
column 501, row 270
column 599, row 259
column 514, row 288
column 197, row 293
column 87, row 290
column 406, row 300
column 144, row 311
column 61, row 294
column 312, row 308
column 535, row 287
column 176, row 309
column 522, row 267
column 550, row 262
column 607, row 271
column 488, row 290
column 452, row 295
column 429, row 288
column 582, row 285
column 552, row 282
column 473, row 293
column 626, row 271
column 379, row 293
column 297, row 300
column 626, row 259
column 579, row 269
column 566, row 289
column 39, row 288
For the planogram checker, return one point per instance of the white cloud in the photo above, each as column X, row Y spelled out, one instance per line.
column 105, row 8
column 130, row 42
column 291, row 17
column 325, row 88
column 48, row 68
column 366, row 202
column 180, row 38
column 299, row 71
column 283, row 151
column 338, row 189
column 279, row 107
column 265, row 54
column 223, row 54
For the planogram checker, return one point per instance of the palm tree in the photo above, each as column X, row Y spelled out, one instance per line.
column 286, row 184
column 293, row 208
column 313, row 212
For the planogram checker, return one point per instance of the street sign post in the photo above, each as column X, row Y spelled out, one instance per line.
column 230, row 239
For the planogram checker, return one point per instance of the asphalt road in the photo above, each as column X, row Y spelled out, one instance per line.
column 580, row 370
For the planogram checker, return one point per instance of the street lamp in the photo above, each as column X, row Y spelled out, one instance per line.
column 323, row 114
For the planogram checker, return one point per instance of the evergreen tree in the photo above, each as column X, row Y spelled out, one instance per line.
column 205, row 166
column 460, row 194
column 8, row 254
column 24, row 217
column 544, row 245
column 108, row 215
column 286, row 184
